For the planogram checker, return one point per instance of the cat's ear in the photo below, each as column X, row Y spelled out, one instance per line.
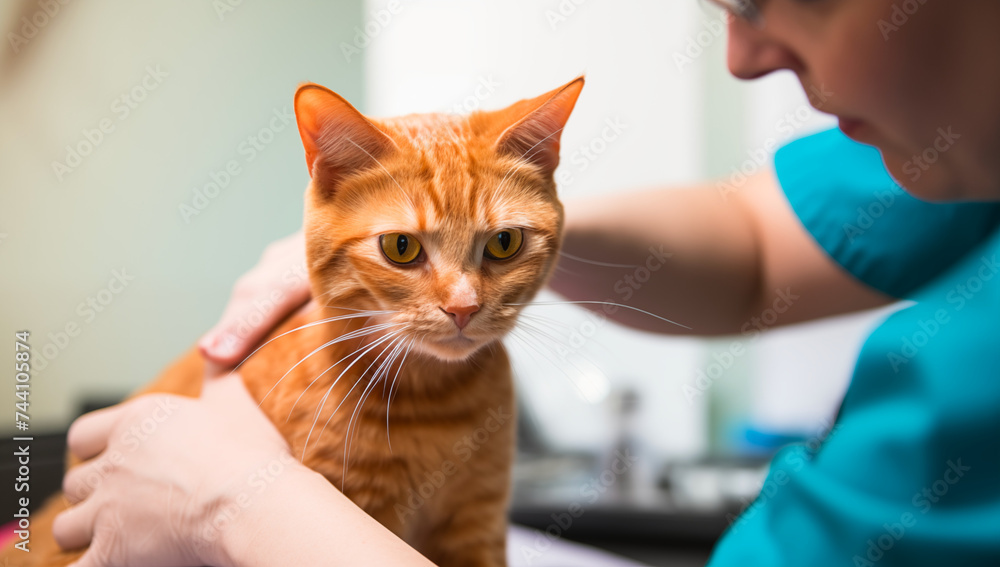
column 540, row 121
column 337, row 138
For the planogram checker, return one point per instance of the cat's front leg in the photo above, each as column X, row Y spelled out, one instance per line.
column 467, row 526
column 474, row 536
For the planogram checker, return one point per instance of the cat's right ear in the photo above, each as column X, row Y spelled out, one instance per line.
column 338, row 139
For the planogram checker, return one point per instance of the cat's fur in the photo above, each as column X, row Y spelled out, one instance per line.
column 451, row 182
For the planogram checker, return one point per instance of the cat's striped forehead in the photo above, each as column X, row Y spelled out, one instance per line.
column 445, row 172
column 432, row 133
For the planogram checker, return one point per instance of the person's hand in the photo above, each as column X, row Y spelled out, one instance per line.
column 261, row 298
column 169, row 477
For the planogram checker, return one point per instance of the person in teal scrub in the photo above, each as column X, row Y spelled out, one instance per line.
column 901, row 202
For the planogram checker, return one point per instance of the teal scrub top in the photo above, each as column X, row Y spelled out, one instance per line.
column 910, row 473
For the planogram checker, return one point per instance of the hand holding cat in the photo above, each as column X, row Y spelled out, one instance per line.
column 168, row 478
column 261, row 298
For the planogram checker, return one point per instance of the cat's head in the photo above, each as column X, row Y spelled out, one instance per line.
column 443, row 220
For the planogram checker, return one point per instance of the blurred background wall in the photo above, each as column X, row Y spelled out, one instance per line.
column 182, row 88
column 223, row 73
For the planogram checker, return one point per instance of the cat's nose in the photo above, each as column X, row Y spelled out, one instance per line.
column 461, row 314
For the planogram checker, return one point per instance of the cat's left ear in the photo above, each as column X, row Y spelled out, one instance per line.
column 337, row 138
column 535, row 136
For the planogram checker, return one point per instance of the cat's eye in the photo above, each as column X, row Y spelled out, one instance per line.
column 504, row 244
column 399, row 247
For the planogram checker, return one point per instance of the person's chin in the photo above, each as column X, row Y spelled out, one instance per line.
column 933, row 183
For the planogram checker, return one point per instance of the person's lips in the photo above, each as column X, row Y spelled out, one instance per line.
column 851, row 127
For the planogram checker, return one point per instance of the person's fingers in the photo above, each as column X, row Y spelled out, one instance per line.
column 257, row 305
column 88, row 435
column 81, row 480
column 74, row 528
column 97, row 555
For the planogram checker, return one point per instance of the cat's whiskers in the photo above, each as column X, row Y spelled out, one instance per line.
column 393, row 396
column 351, row 423
column 545, row 335
column 331, row 367
column 329, row 390
column 643, row 311
column 596, row 263
column 531, row 348
column 543, row 319
column 562, row 268
column 389, row 401
column 308, row 325
column 364, row 331
column 556, row 326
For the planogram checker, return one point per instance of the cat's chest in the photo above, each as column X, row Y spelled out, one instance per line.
column 357, row 426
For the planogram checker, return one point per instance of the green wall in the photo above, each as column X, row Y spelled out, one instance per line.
column 167, row 95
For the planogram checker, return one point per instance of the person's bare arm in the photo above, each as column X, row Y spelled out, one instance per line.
column 731, row 258
column 214, row 484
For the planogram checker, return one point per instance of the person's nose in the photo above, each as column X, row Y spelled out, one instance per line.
column 752, row 53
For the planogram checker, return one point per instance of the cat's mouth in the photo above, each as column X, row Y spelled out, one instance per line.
column 452, row 346
column 457, row 340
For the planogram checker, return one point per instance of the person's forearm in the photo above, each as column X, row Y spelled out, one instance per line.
column 693, row 250
column 300, row 519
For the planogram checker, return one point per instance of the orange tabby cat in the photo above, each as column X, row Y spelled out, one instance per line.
column 423, row 235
